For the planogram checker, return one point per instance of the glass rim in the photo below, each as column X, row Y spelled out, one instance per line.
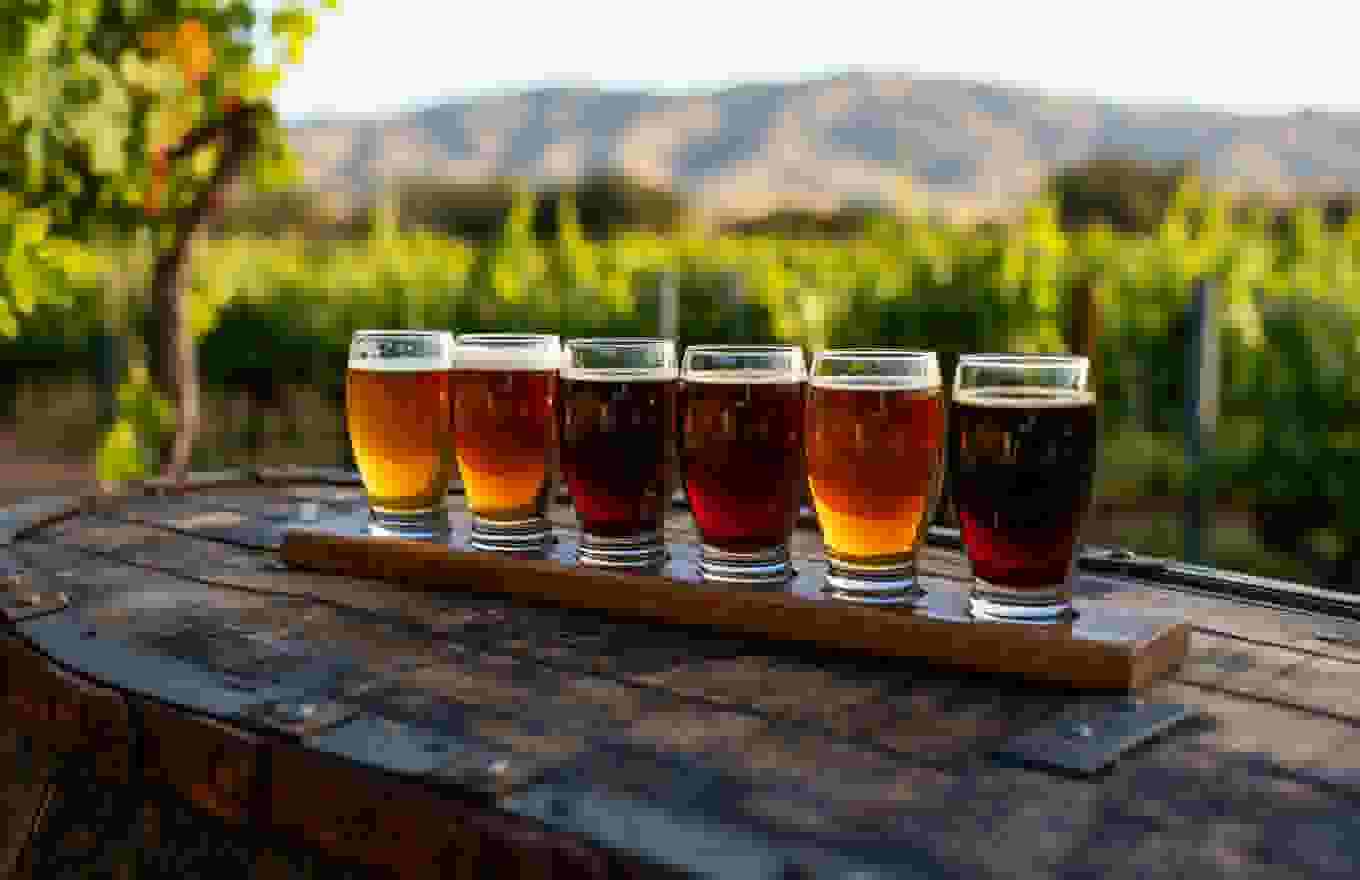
column 1026, row 360
column 506, row 338
column 667, row 370
column 407, row 333
column 436, row 353
column 740, row 348
column 776, row 372
column 903, row 369
column 620, row 341
column 894, row 353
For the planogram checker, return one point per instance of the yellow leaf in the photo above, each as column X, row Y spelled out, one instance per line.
column 256, row 83
column 30, row 227
column 204, row 160
column 9, row 327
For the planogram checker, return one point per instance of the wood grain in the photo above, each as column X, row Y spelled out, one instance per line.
column 218, row 768
column 31, row 515
column 24, row 792
column 351, row 814
column 64, row 714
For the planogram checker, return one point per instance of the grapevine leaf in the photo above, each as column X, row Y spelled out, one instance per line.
column 9, row 326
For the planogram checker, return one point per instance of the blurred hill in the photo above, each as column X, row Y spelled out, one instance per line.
column 969, row 147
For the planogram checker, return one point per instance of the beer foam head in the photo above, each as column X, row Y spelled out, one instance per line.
column 1024, row 398
column 744, row 364
column 620, row 360
column 872, row 369
column 506, row 351
column 396, row 351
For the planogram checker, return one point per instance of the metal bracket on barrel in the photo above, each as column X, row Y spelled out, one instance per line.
column 300, row 718
column 25, row 594
column 307, row 715
column 1091, row 737
column 1338, row 632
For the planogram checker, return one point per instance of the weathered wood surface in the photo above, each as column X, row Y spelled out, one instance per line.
column 166, row 678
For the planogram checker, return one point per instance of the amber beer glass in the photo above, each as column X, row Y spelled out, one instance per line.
column 1023, row 453
column 618, row 419
column 875, row 441
column 397, row 410
column 741, row 452
column 505, row 436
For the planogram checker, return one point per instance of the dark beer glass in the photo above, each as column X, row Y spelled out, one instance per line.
column 1023, row 464
column 397, row 413
column 741, row 450
column 875, row 458
column 505, row 436
column 618, row 419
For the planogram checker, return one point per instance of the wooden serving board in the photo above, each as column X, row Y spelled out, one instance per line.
column 1104, row 648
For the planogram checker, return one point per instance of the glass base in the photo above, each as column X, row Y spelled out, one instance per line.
column 522, row 536
column 1046, row 605
column 891, row 584
column 637, row 552
column 426, row 525
column 769, row 566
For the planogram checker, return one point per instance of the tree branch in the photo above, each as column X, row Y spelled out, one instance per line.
column 177, row 368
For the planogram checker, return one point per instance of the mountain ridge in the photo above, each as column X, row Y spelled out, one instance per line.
column 967, row 146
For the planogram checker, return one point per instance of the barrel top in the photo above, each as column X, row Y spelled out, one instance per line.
column 712, row 754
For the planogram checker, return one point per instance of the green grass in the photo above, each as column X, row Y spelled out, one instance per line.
column 1232, row 545
column 59, row 422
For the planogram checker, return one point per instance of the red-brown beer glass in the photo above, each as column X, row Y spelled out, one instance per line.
column 617, row 442
column 741, row 453
column 1023, row 461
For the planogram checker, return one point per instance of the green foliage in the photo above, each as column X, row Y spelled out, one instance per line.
column 1306, row 464
column 92, row 95
column 1123, row 193
column 603, row 206
column 847, row 223
column 280, row 310
column 143, row 419
column 1140, row 464
column 608, row 202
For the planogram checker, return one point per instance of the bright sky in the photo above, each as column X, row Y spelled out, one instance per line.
column 376, row 56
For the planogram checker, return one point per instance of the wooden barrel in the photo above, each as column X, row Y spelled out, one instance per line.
column 181, row 703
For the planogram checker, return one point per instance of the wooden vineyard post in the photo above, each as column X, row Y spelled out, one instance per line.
column 1201, row 418
column 668, row 307
column 736, row 305
column 1083, row 331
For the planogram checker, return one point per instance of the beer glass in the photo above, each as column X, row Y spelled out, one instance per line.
column 505, row 436
column 397, row 412
column 741, row 452
column 1023, row 462
column 618, row 419
column 875, row 452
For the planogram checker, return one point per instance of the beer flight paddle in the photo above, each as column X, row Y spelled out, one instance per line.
column 744, row 423
column 1103, row 648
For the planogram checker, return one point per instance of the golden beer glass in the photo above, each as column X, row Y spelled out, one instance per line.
column 505, row 436
column 397, row 410
column 875, row 460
